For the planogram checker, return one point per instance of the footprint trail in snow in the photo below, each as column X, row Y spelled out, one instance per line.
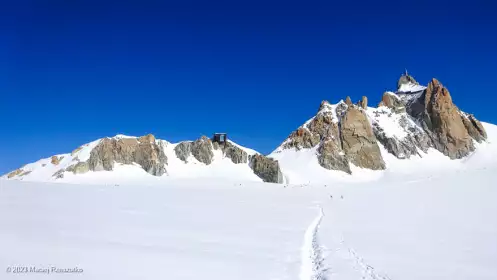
column 312, row 267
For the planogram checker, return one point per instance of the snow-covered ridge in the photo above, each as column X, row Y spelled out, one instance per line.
column 342, row 142
column 50, row 169
column 402, row 138
column 410, row 88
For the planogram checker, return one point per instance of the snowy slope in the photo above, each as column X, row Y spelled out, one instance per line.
column 423, row 227
column 43, row 169
column 302, row 167
column 221, row 168
column 410, row 87
column 325, row 109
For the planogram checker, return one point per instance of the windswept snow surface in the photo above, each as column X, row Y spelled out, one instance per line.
column 222, row 168
column 411, row 87
column 428, row 228
column 194, row 229
column 424, row 218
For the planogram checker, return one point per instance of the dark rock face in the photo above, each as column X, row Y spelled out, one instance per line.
column 236, row 154
column 70, row 168
column 80, row 168
column 202, row 150
column 102, row 156
column 332, row 157
column 403, row 148
column 477, row 124
column 310, row 135
column 59, row 174
column 266, row 168
column 405, row 79
column 448, row 129
column 442, row 121
column 150, row 156
column 474, row 127
column 406, row 145
column 392, row 101
column 183, row 150
column 215, row 145
column 342, row 134
column 302, row 138
column 358, row 140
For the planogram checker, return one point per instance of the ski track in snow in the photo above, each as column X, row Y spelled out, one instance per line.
column 367, row 271
column 312, row 267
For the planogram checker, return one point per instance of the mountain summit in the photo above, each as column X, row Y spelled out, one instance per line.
column 407, row 123
column 342, row 138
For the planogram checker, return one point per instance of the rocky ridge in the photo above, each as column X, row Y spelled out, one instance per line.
column 149, row 153
column 448, row 129
column 405, row 123
column 202, row 150
column 341, row 134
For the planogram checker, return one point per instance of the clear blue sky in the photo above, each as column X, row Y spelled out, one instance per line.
column 74, row 71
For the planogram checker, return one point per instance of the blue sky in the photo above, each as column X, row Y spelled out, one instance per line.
column 75, row 71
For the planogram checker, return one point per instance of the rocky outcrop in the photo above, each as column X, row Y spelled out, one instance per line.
column 409, row 138
column 406, row 79
column 442, row 121
column 70, row 168
column 80, row 168
column 310, row 134
column 302, row 138
column 478, row 125
column 55, row 160
column 392, row 101
column 102, row 156
column 266, row 168
column 331, row 156
column 348, row 101
column 406, row 123
column 183, row 150
column 202, row 150
column 342, row 134
column 450, row 131
column 15, row 173
column 151, row 158
column 59, row 174
column 363, row 103
column 474, row 127
column 148, row 154
column 149, row 138
column 358, row 140
column 234, row 153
